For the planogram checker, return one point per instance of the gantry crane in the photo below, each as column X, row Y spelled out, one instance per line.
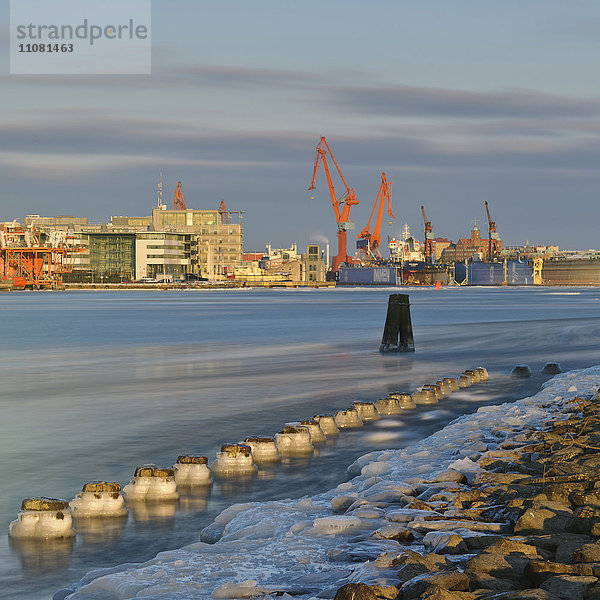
column 368, row 242
column 428, row 246
column 178, row 201
column 347, row 200
column 492, row 235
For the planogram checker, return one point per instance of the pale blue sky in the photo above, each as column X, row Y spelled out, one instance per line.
column 457, row 101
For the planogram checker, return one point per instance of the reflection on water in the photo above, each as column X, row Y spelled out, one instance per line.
column 100, row 530
column 159, row 516
column 41, row 556
column 137, row 378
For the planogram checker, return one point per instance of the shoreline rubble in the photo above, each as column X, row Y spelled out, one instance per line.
column 521, row 522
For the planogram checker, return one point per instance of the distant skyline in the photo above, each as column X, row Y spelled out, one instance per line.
column 458, row 102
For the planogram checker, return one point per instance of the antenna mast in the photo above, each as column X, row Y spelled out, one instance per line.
column 160, row 202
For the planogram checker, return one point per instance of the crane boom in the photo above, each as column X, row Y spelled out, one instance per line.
column 178, row 200
column 492, row 235
column 223, row 212
column 428, row 249
column 368, row 242
column 347, row 199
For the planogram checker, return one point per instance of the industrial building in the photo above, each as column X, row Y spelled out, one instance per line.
column 170, row 244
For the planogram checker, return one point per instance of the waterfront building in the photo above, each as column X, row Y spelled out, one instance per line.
column 219, row 242
column 468, row 248
column 164, row 256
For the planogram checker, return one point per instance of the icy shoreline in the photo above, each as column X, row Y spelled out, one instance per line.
column 300, row 546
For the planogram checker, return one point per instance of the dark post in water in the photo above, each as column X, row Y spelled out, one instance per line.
column 397, row 334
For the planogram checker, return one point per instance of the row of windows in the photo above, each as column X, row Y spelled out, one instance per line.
column 163, row 256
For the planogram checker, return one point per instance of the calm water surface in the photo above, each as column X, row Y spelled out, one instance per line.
column 95, row 383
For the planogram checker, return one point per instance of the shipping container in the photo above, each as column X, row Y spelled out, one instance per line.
column 510, row 272
column 368, row 276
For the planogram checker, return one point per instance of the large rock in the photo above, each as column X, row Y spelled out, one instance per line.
column 586, row 520
column 449, row 580
column 436, row 592
column 340, row 504
column 449, row 475
column 568, row 587
column 411, row 564
column 587, row 553
column 544, row 519
column 531, row 594
column 591, row 498
column 362, row 591
column 394, row 531
column 501, row 566
column 445, row 542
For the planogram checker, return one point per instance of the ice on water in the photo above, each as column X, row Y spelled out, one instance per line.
column 287, row 545
column 99, row 499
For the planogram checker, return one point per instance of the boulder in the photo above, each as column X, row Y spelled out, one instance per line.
column 362, row 591
column 449, row 580
column 587, row 553
column 411, row 564
column 568, row 587
column 496, row 570
column 449, row 475
column 340, row 504
column 531, row 594
column 445, row 542
column 436, row 592
column 394, row 531
column 544, row 520
column 586, row 519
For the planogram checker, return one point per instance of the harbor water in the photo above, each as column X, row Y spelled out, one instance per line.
column 94, row 384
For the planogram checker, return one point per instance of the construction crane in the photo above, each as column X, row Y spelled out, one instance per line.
column 428, row 246
column 223, row 213
column 178, row 201
column 342, row 206
column 368, row 241
column 492, row 235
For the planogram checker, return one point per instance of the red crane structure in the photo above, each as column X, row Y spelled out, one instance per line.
column 428, row 246
column 223, row 212
column 493, row 250
column 178, row 200
column 27, row 262
column 368, row 241
column 342, row 206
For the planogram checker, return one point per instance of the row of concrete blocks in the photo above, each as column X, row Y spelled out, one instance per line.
column 53, row 518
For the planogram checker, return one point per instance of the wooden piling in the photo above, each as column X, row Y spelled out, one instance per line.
column 397, row 333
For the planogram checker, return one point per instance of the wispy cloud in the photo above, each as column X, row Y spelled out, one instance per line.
column 406, row 100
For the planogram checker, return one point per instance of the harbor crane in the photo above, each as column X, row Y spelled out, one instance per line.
column 428, row 246
column 223, row 213
column 368, row 241
column 178, row 200
column 492, row 235
column 342, row 206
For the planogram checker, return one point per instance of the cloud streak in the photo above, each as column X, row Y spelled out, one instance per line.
column 413, row 101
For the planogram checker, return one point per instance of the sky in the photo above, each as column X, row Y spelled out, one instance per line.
column 458, row 101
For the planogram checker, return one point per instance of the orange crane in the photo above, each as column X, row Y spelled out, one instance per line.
column 347, row 200
column 178, row 201
column 223, row 213
column 492, row 235
column 428, row 247
column 368, row 242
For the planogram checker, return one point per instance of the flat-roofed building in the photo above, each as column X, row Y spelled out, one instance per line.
column 220, row 244
column 163, row 256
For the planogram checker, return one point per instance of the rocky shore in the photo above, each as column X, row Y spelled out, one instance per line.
column 518, row 519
